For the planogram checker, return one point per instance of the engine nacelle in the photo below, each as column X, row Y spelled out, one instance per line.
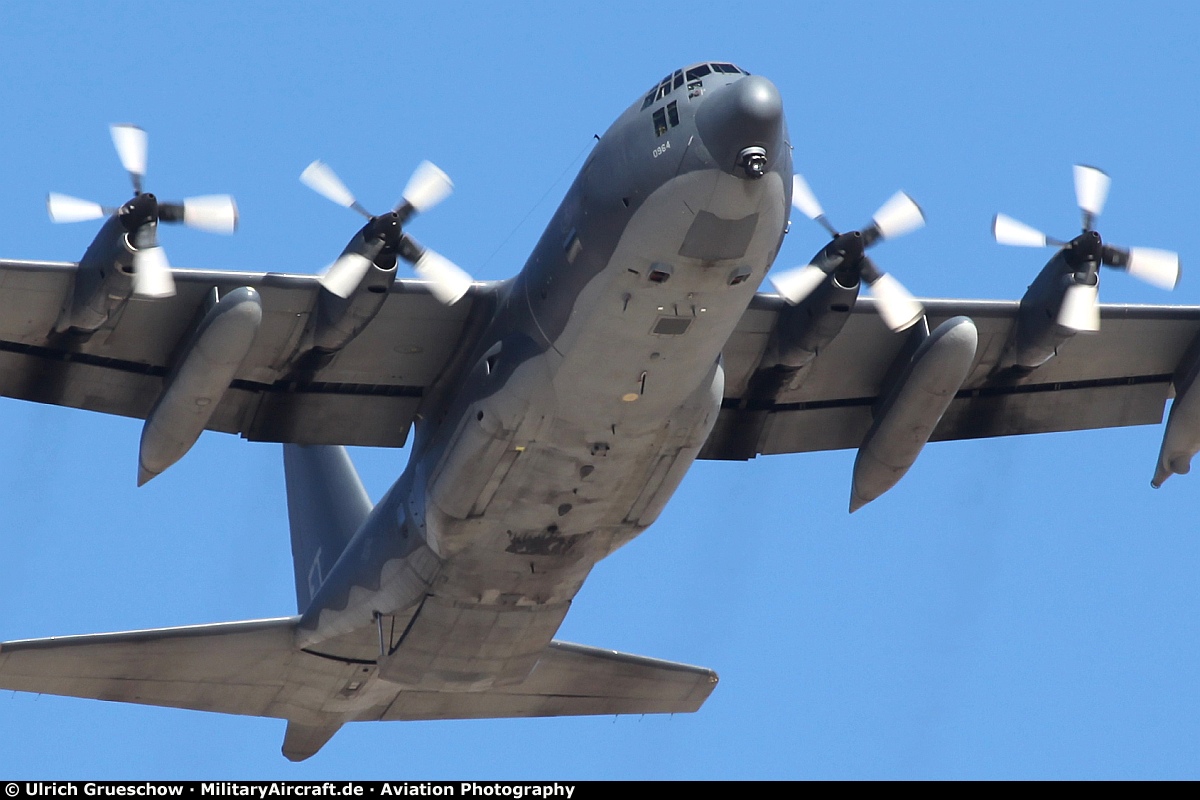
column 801, row 332
column 336, row 320
column 1038, row 333
column 103, row 281
column 911, row 407
column 339, row 319
column 199, row 380
column 804, row 330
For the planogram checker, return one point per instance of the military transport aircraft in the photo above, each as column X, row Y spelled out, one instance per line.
column 553, row 414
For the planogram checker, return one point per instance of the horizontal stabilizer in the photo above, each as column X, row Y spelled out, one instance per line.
column 232, row 667
column 254, row 668
column 573, row 680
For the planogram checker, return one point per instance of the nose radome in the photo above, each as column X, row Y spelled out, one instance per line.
column 757, row 100
column 739, row 117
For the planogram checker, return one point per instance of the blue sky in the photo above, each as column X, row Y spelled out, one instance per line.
column 1013, row 608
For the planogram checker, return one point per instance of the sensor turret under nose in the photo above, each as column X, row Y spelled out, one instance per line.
column 741, row 124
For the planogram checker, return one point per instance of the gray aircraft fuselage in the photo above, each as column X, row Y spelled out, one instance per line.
column 577, row 408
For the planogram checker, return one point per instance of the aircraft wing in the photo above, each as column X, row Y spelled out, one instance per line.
column 254, row 668
column 367, row 395
column 1120, row 376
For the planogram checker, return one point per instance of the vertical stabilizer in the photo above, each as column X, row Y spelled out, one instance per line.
column 302, row 741
column 326, row 505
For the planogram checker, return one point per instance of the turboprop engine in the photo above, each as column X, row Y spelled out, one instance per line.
column 355, row 286
column 1064, row 299
column 125, row 258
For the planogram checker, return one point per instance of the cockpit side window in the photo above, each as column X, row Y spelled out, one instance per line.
column 660, row 122
column 678, row 78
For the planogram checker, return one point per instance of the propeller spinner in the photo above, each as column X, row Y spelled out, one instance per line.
column 846, row 255
column 140, row 216
column 1080, row 309
column 385, row 234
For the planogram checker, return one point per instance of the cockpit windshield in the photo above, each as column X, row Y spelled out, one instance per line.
column 693, row 76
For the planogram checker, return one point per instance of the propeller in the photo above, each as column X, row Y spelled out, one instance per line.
column 383, row 235
column 846, row 257
column 141, row 215
column 1080, row 309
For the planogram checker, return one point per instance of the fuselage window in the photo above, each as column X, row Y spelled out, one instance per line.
column 673, row 113
column 660, row 122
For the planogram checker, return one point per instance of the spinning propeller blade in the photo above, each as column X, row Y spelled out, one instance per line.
column 899, row 309
column 427, row 187
column 1080, row 308
column 1091, row 190
column 343, row 276
column 1007, row 230
column 796, row 284
column 215, row 213
column 64, row 208
column 1156, row 267
column 898, row 216
column 132, row 146
column 152, row 273
column 447, row 282
column 319, row 177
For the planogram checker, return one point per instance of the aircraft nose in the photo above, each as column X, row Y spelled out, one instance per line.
column 741, row 124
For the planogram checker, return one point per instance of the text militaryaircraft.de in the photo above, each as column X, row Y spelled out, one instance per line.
column 554, row 414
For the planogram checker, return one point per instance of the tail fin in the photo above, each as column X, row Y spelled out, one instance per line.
column 326, row 505
column 302, row 741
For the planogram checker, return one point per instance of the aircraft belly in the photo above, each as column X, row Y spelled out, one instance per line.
column 564, row 462
column 628, row 335
column 581, row 446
